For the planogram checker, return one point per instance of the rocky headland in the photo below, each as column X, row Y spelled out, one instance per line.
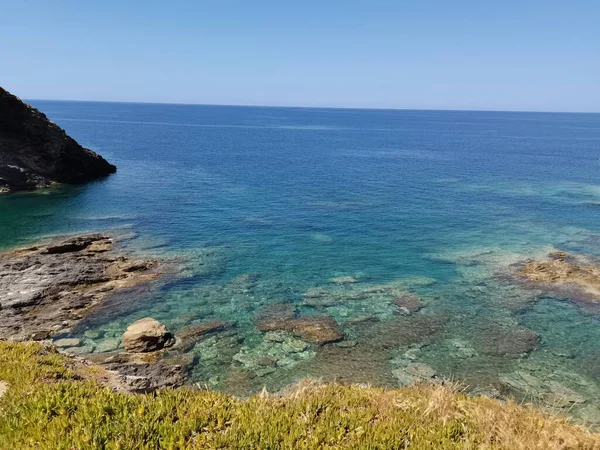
column 35, row 152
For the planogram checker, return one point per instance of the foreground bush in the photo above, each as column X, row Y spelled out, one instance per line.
column 50, row 406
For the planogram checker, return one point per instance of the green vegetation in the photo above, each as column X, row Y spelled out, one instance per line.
column 52, row 403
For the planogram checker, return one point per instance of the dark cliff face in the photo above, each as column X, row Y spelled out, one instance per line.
column 35, row 152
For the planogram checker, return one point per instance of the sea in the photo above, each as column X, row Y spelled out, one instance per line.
column 339, row 213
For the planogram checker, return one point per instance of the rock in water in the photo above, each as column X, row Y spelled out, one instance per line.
column 146, row 335
column 35, row 152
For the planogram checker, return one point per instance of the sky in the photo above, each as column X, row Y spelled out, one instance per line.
column 534, row 55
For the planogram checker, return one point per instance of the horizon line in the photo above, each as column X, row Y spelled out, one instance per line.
column 313, row 107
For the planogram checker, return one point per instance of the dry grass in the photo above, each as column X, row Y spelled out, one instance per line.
column 47, row 407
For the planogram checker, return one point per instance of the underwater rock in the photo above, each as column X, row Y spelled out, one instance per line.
column 275, row 336
column 413, row 354
column 411, row 372
column 361, row 319
column 316, row 329
column 380, row 299
column 401, row 331
column 49, row 288
column 264, row 371
column 461, row 349
column 420, row 370
column 590, row 414
column 92, row 334
column 266, row 361
column 321, row 237
column 551, row 392
column 245, row 280
column 409, row 303
column 404, row 378
column 358, row 364
column 79, row 350
column 265, row 357
column 146, row 335
column 562, row 396
column 240, row 382
column 187, row 318
column 108, row 345
column 35, row 152
column 276, row 316
column 294, row 346
column 343, row 280
column 208, row 261
column 577, row 277
column 189, row 335
column 499, row 340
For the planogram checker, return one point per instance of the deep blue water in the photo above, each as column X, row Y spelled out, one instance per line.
column 436, row 203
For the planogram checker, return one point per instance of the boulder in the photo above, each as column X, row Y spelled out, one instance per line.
column 146, row 335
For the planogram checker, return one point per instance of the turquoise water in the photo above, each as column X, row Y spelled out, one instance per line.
column 434, row 203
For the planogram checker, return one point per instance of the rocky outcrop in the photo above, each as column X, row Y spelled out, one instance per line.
column 575, row 277
column 46, row 290
column 147, row 335
column 35, row 152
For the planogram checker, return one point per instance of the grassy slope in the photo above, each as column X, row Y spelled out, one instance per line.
column 51, row 404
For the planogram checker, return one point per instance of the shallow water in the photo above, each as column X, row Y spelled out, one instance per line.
column 434, row 203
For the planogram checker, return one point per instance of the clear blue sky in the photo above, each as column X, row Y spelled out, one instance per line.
column 436, row 54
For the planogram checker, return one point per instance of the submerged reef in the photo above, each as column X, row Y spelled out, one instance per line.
column 35, row 152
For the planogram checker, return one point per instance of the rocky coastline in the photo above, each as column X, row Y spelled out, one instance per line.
column 47, row 290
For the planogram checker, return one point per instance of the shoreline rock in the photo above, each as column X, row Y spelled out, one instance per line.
column 47, row 289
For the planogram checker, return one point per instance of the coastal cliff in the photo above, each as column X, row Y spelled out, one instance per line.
column 35, row 152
